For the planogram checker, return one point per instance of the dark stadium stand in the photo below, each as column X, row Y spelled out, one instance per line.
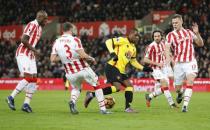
column 97, row 10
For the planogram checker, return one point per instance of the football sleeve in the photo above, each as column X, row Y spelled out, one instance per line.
column 78, row 44
column 148, row 52
column 110, row 43
column 135, row 63
column 29, row 29
column 169, row 39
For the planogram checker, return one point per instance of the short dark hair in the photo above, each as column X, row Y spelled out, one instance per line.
column 153, row 33
column 67, row 26
column 177, row 16
column 134, row 30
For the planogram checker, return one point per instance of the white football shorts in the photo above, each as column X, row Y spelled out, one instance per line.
column 183, row 69
column 86, row 74
column 26, row 65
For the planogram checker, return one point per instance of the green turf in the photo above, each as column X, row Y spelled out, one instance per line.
column 51, row 112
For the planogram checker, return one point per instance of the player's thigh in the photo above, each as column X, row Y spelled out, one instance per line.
column 168, row 71
column 126, row 81
column 113, row 74
column 23, row 64
column 75, row 80
column 157, row 74
column 179, row 74
column 191, row 68
column 160, row 75
column 33, row 67
column 90, row 76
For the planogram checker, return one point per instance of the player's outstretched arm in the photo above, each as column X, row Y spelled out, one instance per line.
column 148, row 61
column 198, row 40
column 137, row 65
column 85, row 56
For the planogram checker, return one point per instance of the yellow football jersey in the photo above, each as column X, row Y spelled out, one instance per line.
column 125, row 51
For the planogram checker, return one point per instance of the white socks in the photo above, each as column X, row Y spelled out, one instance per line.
column 166, row 92
column 74, row 95
column 187, row 96
column 156, row 93
column 100, row 97
column 30, row 90
column 20, row 86
column 168, row 97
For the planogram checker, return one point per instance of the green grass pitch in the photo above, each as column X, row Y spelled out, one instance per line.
column 51, row 112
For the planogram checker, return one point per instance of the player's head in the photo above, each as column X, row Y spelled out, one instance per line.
column 67, row 27
column 157, row 36
column 42, row 17
column 133, row 35
column 177, row 22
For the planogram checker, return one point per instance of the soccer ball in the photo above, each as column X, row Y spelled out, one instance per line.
column 109, row 102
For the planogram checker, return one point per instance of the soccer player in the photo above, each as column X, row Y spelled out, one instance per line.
column 69, row 50
column 26, row 55
column 181, row 40
column 156, row 58
column 122, row 51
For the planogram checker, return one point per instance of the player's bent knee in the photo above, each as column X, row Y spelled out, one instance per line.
column 164, row 82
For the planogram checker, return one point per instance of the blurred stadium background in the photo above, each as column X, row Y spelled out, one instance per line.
column 95, row 21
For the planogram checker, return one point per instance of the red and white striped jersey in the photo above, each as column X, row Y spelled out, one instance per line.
column 65, row 47
column 34, row 31
column 182, row 44
column 155, row 52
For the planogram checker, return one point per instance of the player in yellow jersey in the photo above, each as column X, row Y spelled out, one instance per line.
column 122, row 51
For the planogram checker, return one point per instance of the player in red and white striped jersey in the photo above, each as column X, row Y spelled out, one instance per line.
column 156, row 58
column 26, row 55
column 181, row 41
column 69, row 50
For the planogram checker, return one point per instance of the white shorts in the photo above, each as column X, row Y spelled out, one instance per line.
column 169, row 71
column 161, row 73
column 26, row 65
column 183, row 69
column 86, row 74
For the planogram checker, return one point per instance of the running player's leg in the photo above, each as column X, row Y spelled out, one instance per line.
column 162, row 77
column 191, row 70
column 114, row 77
column 76, row 81
column 128, row 95
column 31, row 88
column 22, row 62
column 179, row 76
column 92, row 79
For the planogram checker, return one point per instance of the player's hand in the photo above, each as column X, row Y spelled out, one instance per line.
column 114, row 56
column 195, row 28
column 147, row 69
column 92, row 60
column 36, row 53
